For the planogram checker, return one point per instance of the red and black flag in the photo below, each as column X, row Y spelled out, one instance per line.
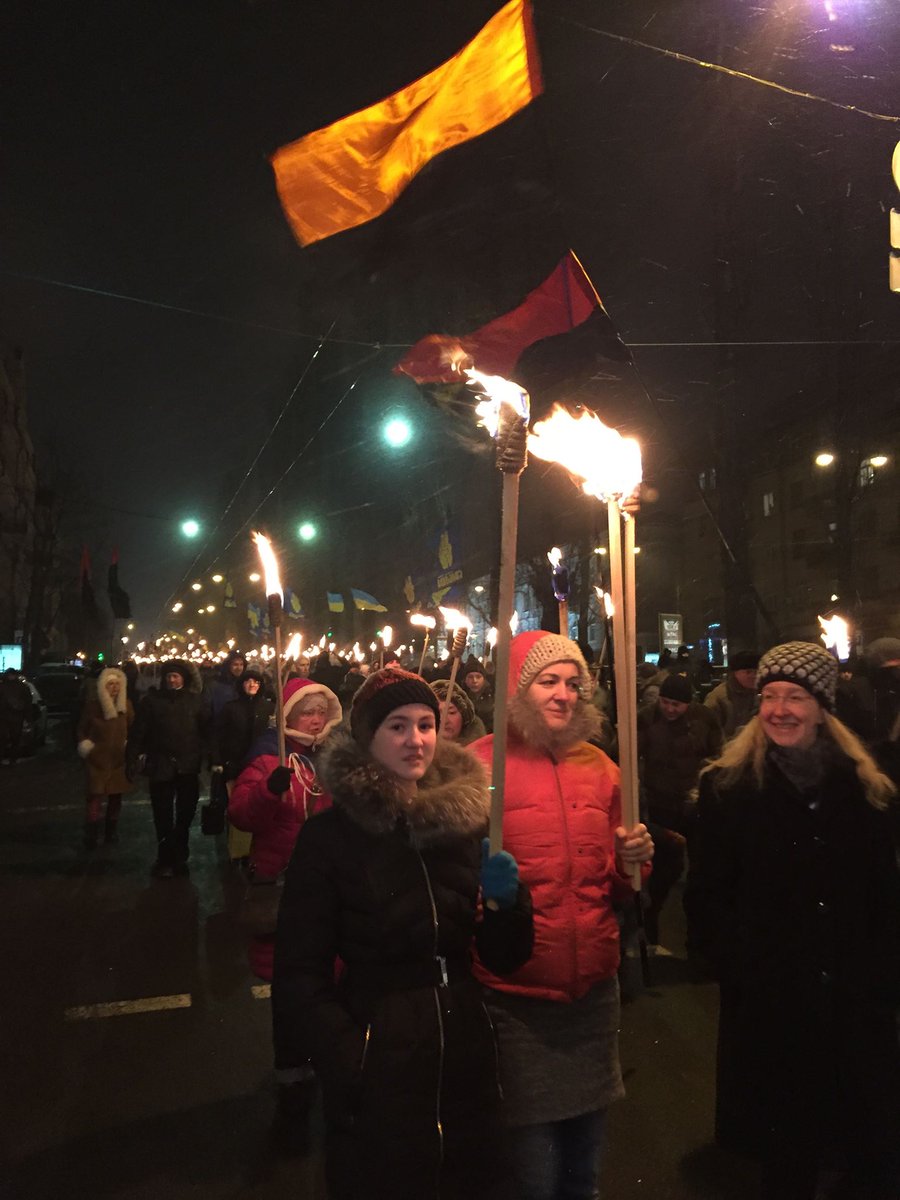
column 119, row 600
column 559, row 334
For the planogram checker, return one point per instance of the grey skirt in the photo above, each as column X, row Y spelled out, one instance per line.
column 557, row 1060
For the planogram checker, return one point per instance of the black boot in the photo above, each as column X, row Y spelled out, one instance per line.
column 91, row 834
column 291, row 1123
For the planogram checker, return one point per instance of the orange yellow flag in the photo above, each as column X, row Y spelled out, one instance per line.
column 353, row 171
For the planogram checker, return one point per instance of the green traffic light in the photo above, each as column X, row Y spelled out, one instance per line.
column 307, row 531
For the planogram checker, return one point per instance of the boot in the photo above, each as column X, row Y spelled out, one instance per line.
column 110, row 836
column 91, row 834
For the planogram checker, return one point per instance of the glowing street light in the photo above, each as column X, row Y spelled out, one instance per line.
column 878, row 460
column 195, row 587
column 190, row 528
column 217, row 578
column 307, row 531
column 824, row 459
column 254, row 577
column 176, row 608
column 397, row 432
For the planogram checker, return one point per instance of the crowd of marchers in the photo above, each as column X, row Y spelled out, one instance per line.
column 457, row 1009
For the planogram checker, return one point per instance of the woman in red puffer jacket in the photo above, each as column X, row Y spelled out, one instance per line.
column 273, row 802
column 557, row 1016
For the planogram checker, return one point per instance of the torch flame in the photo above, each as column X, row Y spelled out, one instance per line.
column 836, row 636
column 554, row 557
column 514, row 623
column 498, row 391
column 421, row 619
column 387, row 636
column 606, row 464
column 492, row 637
column 292, row 649
column 269, row 564
column 454, row 619
column 606, row 602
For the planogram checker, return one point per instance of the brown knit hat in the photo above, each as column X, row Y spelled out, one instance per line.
column 459, row 698
column 384, row 691
column 807, row 664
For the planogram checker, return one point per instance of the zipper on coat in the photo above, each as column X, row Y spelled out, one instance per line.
column 442, row 963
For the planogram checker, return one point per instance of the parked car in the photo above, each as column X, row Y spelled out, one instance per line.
column 34, row 730
column 61, row 688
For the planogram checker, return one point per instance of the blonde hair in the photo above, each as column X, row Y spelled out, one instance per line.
column 746, row 755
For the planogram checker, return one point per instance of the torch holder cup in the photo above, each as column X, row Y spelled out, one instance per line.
column 275, row 606
column 512, row 442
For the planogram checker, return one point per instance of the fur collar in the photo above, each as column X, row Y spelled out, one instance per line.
column 108, row 707
column 452, row 800
column 530, row 728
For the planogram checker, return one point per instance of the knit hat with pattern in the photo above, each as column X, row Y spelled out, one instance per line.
column 807, row 664
column 384, row 691
column 459, row 698
column 535, row 651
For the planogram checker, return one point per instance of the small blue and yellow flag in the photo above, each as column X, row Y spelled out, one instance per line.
column 366, row 603
column 335, row 601
column 292, row 605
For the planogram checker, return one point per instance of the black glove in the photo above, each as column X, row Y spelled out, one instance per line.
column 279, row 781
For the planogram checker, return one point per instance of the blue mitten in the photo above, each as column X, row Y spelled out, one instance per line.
column 499, row 876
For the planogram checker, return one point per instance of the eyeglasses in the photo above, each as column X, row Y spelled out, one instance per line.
column 795, row 699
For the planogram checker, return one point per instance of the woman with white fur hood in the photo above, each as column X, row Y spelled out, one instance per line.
column 102, row 736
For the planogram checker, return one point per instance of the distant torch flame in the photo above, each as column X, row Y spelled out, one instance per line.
column 454, row 619
column 499, row 391
column 492, row 637
column 606, row 464
column 606, row 602
column 514, row 623
column 269, row 564
column 836, row 636
column 421, row 619
column 554, row 557
column 387, row 636
column 292, row 649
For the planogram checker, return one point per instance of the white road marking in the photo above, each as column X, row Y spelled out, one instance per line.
column 261, row 991
column 121, row 1008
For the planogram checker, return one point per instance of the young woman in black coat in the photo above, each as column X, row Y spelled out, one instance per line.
column 793, row 896
column 379, row 917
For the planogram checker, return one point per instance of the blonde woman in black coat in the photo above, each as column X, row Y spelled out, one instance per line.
column 793, row 896
column 389, row 884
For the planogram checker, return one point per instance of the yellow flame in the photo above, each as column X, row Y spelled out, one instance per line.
column 387, row 636
column 454, row 619
column 606, row 602
column 292, row 649
column 421, row 619
column 492, row 637
column 269, row 564
column 836, row 636
column 514, row 623
column 499, row 391
column 554, row 557
column 606, row 464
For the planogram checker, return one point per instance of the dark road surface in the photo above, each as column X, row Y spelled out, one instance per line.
column 176, row 1102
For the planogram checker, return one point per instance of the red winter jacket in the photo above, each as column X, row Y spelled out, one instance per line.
column 275, row 822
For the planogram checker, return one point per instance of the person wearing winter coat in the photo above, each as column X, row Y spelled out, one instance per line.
column 395, row 882
column 223, row 687
column 242, row 722
column 793, row 897
column 15, row 704
column 557, row 1016
column 272, row 802
column 169, row 737
column 102, row 736
column 461, row 724
column 480, row 691
column 736, row 700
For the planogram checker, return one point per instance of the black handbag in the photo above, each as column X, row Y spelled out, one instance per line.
column 212, row 814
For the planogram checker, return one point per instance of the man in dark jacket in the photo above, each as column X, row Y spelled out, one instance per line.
column 736, row 700
column 479, row 691
column 676, row 736
column 224, row 688
column 169, row 735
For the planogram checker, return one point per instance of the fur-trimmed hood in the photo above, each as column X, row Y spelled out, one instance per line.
column 529, row 726
column 108, row 706
column 187, row 670
column 452, row 799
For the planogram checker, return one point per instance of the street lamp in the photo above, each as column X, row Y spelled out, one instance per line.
column 824, row 458
column 878, row 460
column 217, row 578
column 306, row 531
column 195, row 587
column 254, row 577
column 177, row 607
column 190, row 528
column 397, row 432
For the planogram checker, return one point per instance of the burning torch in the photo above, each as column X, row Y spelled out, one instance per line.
column 560, row 577
column 275, row 600
column 426, row 623
column 460, row 625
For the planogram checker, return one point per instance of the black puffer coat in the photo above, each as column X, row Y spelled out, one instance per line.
column 401, row 1042
column 240, row 724
column 171, row 728
column 795, row 900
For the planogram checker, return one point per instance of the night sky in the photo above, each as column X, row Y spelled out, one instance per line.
column 167, row 314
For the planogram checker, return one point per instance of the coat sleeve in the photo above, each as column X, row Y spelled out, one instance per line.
column 310, row 1020
column 252, row 806
column 711, row 893
column 505, row 937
